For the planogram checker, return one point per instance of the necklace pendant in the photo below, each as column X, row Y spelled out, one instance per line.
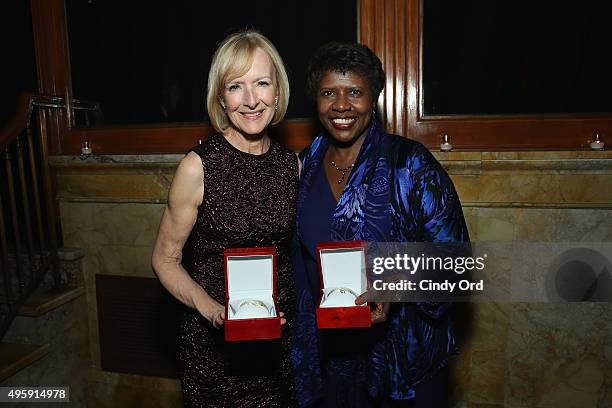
column 342, row 170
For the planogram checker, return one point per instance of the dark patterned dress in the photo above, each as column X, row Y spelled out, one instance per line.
column 249, row 201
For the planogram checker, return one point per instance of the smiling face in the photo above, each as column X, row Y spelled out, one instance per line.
column 249, row 99
column 345, row 104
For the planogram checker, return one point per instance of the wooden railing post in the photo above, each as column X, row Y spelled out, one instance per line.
column 25, row 203
column 10, row 182
column 53, row 65
column 384, row 29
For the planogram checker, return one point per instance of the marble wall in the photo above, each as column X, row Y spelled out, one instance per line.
column 512, row 355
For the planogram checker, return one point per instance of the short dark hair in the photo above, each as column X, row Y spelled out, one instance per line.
column 345, row 57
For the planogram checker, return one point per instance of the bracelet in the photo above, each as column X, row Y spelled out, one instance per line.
column 252, row 309
column 254, row 302
column 339, row 297
column 342, row 291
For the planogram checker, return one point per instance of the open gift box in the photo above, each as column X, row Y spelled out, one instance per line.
column 251, row 311
column 342, row 268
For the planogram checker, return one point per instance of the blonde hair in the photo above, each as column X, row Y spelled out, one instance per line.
column 234, row 58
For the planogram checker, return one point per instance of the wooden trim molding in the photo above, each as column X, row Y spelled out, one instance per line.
column 133, row 140
column 383, row 27
column 295, row 134
column 392, row 29
column 53, row 66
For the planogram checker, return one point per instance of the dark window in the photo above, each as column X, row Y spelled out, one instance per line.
column 18, row 61
column 147, row 62
column 516, row 57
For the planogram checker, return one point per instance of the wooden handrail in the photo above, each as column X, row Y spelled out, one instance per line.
column 27, row 100
column 18, row 123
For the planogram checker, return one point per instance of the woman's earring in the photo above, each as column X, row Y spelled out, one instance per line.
column 276, row 103
column 222, row 106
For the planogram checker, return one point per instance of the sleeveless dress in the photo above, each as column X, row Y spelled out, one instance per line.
column 249, row 201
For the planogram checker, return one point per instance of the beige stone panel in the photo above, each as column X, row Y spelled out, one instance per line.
column 467, row 187
column 500, row 155
column 576, row 385
column 535, row 224
column 605, row 398
column 534, row 188
column 540, row 167
column 83, row 238
column 452, row 156
column 462, row 167
column 78, row 231
column 126, row 260
column 459, row 372
column 608, row 346
column 488, row 377
column 127, row 186
column 583, row 225
column 490, row 327
column 87, row 225
column 76, row 216
column 128, row 224
column 586, row 188
column 559, row 155
column 494, row 189
column 117, row 239
column 91, row 266
column 471, row 219
column 495, row 224
column 556, row 354
column 578, row 189
column 78, row 225
column 547, row 155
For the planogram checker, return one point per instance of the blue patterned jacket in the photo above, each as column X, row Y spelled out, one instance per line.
column 397, row 192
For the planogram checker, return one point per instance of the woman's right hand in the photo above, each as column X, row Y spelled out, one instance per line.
column 209, row 308
column 217, row 317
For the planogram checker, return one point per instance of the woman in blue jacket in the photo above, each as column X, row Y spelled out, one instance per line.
column 360, row 183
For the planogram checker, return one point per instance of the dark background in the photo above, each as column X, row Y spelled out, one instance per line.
column 135, row 57
column 18, row 61
column 479, row 57
column 517, row 57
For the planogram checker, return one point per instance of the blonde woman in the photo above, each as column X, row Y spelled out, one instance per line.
column 237, row 189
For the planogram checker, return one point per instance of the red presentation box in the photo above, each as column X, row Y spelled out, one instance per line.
column 251, row 310
column 342, row 269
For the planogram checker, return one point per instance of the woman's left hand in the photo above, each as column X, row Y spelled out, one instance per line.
column 283, row 321
column 381, row 309
column 380, row 312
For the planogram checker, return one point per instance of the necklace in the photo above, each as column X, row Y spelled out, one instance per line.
column 342, row 170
